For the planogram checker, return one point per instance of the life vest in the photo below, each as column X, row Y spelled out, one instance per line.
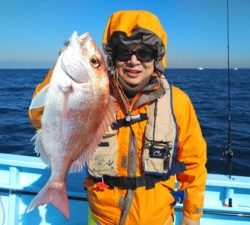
column 159, row 149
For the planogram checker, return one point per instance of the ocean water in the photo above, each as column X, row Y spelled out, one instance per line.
column 207, row 89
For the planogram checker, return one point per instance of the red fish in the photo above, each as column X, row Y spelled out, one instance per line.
column 77, row 111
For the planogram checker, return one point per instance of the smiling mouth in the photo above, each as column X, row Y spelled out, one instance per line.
column 131, row 72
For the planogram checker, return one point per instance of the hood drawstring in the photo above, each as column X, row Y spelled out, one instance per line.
column 115, row 86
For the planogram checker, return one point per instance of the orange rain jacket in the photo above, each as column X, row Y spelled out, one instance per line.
column 153, row 206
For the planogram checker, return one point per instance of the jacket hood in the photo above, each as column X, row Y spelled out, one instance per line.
column 136, row 26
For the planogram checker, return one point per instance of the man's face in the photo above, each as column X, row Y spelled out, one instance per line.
column 134, row 64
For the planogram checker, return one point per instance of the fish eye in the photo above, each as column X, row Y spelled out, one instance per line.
column 95, row 62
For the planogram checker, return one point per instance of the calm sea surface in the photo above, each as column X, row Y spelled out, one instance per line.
column 207, row 89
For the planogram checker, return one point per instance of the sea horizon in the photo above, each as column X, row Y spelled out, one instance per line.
column 206, row 88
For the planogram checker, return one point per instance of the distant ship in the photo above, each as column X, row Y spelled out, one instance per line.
column 200, row 68
column 235, row 68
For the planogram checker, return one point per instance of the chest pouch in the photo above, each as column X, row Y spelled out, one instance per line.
column 161, row 151
column 157, row 157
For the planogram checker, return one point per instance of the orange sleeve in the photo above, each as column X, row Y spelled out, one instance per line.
column 192, row 150
column 36, row 114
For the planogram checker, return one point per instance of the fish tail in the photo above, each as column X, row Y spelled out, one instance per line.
column 54, row 193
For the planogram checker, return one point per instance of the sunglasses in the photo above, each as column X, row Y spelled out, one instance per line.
column 142, row 53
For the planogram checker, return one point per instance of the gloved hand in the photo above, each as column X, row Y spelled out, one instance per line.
column 187, row 221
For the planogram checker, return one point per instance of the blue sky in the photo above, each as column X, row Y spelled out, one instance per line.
column 33, row 31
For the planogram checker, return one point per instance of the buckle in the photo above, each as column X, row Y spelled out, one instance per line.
column 108, row 181
column 129, row 182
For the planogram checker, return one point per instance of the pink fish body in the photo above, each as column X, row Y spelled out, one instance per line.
column 77, row 111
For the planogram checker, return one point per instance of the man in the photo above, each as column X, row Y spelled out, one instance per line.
column 155, row 139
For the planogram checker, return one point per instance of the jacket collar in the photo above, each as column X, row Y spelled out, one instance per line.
column 148, row 94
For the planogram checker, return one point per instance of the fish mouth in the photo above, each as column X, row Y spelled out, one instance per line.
column 75, row 74
column 73, row 61
column 84, row 38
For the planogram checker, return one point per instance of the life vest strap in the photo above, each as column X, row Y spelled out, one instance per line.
column 147, row 181
column 128, row 120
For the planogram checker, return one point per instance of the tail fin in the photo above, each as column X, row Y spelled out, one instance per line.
column 54, row 193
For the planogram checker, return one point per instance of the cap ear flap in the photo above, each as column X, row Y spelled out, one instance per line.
column 158, row 66
column 110, row 65
column 109, row 61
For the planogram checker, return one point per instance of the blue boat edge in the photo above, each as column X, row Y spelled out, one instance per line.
column 227, row 200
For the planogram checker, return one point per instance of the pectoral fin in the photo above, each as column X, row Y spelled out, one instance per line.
column 39, row 100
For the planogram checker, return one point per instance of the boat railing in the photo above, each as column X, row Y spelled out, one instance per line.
column 21, row 178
